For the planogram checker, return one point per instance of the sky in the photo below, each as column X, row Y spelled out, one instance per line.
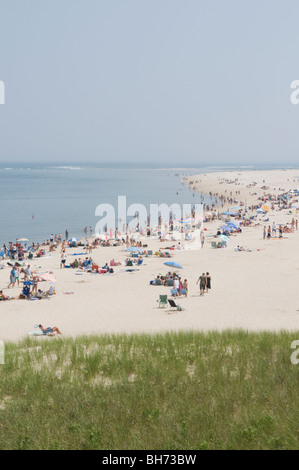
column 163, row 81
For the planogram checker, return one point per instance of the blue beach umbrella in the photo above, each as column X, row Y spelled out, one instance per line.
column 72, row 239
column 226, row 228
column 229, row 213
column 230, row 224
column 172, row 264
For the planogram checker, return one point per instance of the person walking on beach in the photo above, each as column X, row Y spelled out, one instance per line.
column 17, row 271
column 12, row 278
column 208, row 282
column 203, row 282
column 265, row 233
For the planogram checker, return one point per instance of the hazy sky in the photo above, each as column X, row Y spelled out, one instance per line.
column 193, row 81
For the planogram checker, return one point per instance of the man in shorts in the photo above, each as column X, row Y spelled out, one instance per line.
column 202, row 280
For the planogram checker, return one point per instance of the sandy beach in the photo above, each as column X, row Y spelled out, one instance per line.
column 253, row 290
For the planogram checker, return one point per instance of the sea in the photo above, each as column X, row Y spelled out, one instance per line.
column 40, row 200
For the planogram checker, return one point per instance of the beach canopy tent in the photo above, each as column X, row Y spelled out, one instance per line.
column 172, row 264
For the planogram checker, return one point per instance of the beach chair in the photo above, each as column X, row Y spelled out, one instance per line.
column 214, row 245
column 149, row 252
column 174, row 306
column 170, row 282
column 162, row 300
column 158, row 282
column 140, row 261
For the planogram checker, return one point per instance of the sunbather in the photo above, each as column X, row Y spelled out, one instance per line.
column 50, row 331
column 5, row 297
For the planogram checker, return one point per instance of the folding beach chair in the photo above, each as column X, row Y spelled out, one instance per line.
column 174, row 306
column 162, row 300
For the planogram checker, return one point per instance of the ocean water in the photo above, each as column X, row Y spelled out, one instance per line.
column 37, row 201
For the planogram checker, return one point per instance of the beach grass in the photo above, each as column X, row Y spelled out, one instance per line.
column 173, row 391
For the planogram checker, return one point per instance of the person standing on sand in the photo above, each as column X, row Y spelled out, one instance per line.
column 269, row 232
column 63, row 260
column 202, row 239
column 185, row 287
column 203, row 283
column 265, row 233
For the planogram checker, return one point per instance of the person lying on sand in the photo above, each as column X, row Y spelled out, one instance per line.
column 50, row 331
column 5, row 297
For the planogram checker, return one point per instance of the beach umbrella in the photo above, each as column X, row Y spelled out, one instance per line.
column 72, row 239
column 226, row 228
column 266, row 207
column 236, row 208
column 172, row 264
column 223, row 237
column 47, row 277
column 230, row 224
column 229, row 213
column 22, row 240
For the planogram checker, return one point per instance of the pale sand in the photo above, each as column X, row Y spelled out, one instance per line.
column 255, row 290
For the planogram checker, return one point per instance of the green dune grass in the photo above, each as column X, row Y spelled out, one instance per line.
column 229, row 390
